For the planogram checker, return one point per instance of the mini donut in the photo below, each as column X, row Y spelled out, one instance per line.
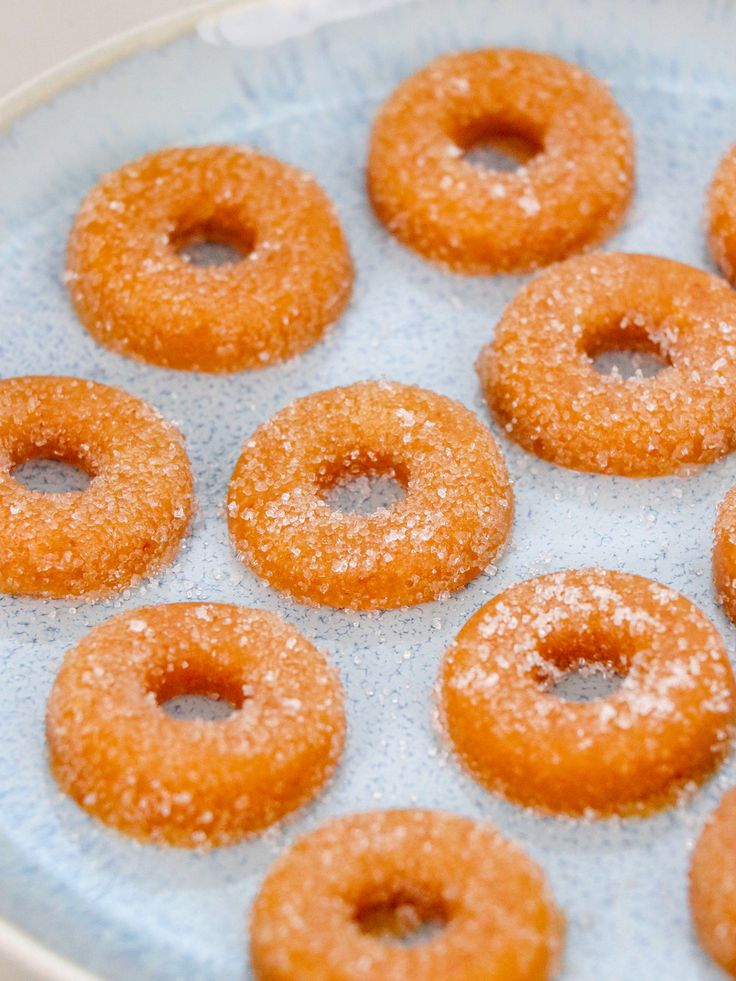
column 129, row 521
column 713, row 884
column 539, row 379
column 572, row 194
column 724, row 554
column 452, row 522
column 194, row 783
column 667, row 727
column 499, row 918
column 721, row 216
column 135, row 294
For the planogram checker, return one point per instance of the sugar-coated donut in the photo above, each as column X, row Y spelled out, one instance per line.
column 137, row 295
column 570, row 196
column 453, row 520
column 129, row 521
column 666, row 728
column 724, row 553
column 194, row 783
column 713, row 884
column 539, row 379
column 311, row 916
column 722, row 215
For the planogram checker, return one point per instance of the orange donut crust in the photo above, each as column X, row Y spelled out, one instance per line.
column 539, row 379
column 500, row 918
column 136, row 295
column 713, row 884
column 455, row 517
column 130, row 520
column 667, row 727
column 721, row 215
column 194, row 783
column 724, row 554
column 570, row 196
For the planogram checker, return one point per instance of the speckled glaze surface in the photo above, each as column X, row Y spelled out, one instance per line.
column 130, row 911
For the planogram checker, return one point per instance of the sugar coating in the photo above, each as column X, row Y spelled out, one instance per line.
column 667, row 727
column 138, row 296
column 724, row 553
column 713, row 884
column 500, row 918
column 721, row 215
column 194, row 783
column 571, row 195
column 539, row 379
column 130, row 520
column 455, row 516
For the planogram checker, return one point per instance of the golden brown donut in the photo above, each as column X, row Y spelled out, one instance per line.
column 130, row 520
column 713, row 884
column 499, row 917
column 668, row 726
column 724, row 553
column 455, row 517
column 721, row 215
column 135, row 294
column 571, row 195
column 539, row 379
column 194, row 783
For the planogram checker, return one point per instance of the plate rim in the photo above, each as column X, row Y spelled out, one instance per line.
column 153, row 33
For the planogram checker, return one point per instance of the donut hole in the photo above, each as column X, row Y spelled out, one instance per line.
column 220, row 239
column 211, row 707
column 210, row 252
column 498, row 145
column 624, row 349
column 187, row 691
column 48, row 464
column 363, row 485
column 586, row 683
column 365, row 494
column 584, row 666
column 625, row 364
column 52, row 476
column 401, row 919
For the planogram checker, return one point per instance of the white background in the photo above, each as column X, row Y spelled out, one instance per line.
column 38, row 34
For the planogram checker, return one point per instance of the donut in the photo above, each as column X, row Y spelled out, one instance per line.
column 721, row 216
column 453, row 520
column 539, row 379
column 129, row 521
column 664, row 731
column 313, row 916
column 713, row 884
column 724, row 554
column 572, row 193
column 193, row 783
column 135, row 293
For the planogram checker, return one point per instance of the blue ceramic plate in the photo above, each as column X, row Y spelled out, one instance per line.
column 128, row 911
